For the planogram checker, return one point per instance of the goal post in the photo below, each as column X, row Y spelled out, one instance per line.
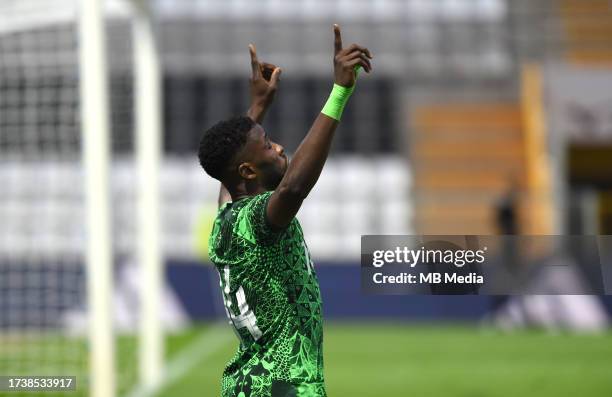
column 148, row 108
column 96, row 158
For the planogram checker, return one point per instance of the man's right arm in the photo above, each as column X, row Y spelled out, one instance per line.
column 308, row 160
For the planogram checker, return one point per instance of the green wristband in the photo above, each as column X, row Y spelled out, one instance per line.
column 338, row 99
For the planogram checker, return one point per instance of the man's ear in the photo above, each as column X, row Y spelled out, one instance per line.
column 246, row 171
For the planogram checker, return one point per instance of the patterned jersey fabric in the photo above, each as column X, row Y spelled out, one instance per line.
column 273, row 303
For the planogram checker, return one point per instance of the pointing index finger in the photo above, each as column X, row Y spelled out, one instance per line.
column 254, row 62
column 337, row 39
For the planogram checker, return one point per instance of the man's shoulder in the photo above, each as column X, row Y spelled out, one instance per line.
column 253, row 203
column 247, row 219
column 243, row 217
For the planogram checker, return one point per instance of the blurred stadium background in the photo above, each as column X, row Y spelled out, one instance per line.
column 481, row 117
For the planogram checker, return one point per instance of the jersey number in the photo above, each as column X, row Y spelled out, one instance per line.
column 246, row 318
column 309, row 263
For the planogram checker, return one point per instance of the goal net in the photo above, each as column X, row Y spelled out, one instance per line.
column 43, row 277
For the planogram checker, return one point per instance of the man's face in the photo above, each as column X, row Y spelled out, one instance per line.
column 267, row 158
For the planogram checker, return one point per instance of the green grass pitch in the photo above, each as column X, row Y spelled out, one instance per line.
column 368, row 359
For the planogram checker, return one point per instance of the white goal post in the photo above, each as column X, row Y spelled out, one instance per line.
column 148, row 118
column 96, row 158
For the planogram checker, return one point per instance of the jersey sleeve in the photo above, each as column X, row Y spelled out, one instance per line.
column 253, row 223
column 217, row 241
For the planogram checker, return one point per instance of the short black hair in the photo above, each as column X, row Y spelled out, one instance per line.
column 221, row 142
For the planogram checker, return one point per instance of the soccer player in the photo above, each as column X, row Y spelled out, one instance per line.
column 269, row 285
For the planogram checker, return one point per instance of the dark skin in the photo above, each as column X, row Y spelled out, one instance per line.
column 262, row 165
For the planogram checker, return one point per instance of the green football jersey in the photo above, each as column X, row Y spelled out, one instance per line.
column 272, row 299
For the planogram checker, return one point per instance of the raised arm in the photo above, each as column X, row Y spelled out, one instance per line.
column 308, row 160
column 262, row 87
